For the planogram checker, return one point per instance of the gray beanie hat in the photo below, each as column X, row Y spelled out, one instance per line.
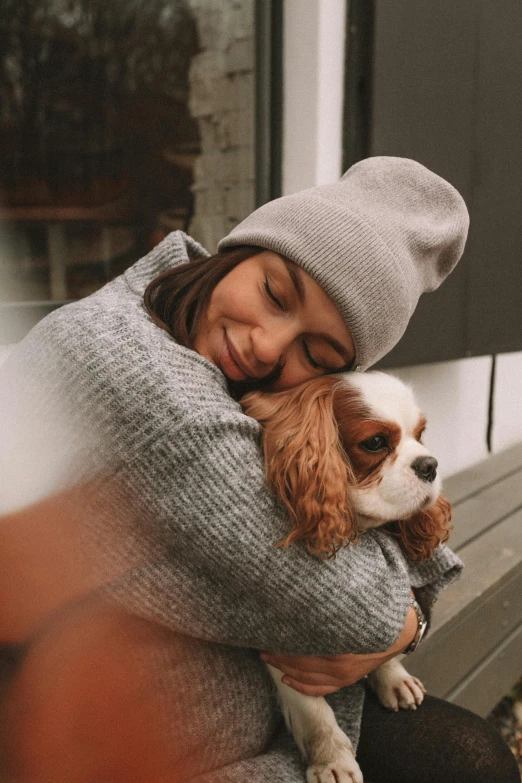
column 388, row 231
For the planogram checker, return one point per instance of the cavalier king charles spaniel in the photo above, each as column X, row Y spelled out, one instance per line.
column 344, row 453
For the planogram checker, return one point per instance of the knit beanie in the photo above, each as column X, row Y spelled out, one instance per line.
column 388, row 231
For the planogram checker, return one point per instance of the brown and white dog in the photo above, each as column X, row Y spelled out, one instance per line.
column 344, row 453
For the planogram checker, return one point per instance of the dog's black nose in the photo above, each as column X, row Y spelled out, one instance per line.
column 425, row 468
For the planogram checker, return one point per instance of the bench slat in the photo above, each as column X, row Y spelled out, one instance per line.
column 446, row 657
column 488, row 683
column 488, row 559
column 468, row 482
column 476, row 614
column 486, row 508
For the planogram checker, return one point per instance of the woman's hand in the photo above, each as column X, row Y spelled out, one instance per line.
column 316, row 675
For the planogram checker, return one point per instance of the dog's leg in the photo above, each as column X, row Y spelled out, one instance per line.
column 324, row 746
column 395, row 687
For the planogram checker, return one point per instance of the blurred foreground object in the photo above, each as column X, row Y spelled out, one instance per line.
column 51, row 554
column 81, row 705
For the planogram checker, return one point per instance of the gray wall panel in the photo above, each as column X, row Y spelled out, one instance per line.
column 446, row 90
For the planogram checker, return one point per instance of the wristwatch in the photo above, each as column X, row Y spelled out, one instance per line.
column 421, row 630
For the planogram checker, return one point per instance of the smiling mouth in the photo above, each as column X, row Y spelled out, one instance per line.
column 230, row 364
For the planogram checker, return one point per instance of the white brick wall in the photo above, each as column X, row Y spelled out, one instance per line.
column 222, row 100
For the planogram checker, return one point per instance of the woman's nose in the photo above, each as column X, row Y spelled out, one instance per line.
column 270, row 344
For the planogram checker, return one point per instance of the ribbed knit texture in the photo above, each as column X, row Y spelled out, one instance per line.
column 159, row 417
column 388, row 231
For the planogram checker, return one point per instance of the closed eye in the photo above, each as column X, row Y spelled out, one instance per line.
column 310, row 358
column 273, row 297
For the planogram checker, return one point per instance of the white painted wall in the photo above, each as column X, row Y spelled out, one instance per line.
column 507, row 409
column 4, row 350
column 313, row 66
column 454, row 395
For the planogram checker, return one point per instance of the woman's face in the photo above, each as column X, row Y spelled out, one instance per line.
column 268, row 315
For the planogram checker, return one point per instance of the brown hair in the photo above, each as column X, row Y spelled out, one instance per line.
column 178, row 298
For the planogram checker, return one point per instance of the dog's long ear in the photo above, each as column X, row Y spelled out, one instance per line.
column 306, row 466
column 420, row 535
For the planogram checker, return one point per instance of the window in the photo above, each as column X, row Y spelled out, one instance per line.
column 120, row 121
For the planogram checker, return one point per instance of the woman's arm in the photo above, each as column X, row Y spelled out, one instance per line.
column 224, row 579
column 320, row 675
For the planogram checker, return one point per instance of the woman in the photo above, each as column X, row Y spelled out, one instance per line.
column 317, row 282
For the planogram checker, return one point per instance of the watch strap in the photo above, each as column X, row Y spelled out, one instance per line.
column 421, row 630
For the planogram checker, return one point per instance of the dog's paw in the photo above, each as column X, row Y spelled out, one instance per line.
column 331, row 758
column 343, row 769
column 398, row 689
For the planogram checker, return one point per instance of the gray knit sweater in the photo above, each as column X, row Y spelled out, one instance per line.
column 158, row 415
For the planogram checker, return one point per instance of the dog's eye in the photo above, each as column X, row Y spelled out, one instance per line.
column 376, row 443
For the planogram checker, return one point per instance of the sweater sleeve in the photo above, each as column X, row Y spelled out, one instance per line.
column 428, row 579
column 220, row 575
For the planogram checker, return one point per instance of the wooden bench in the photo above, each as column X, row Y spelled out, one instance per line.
column 473, row 653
